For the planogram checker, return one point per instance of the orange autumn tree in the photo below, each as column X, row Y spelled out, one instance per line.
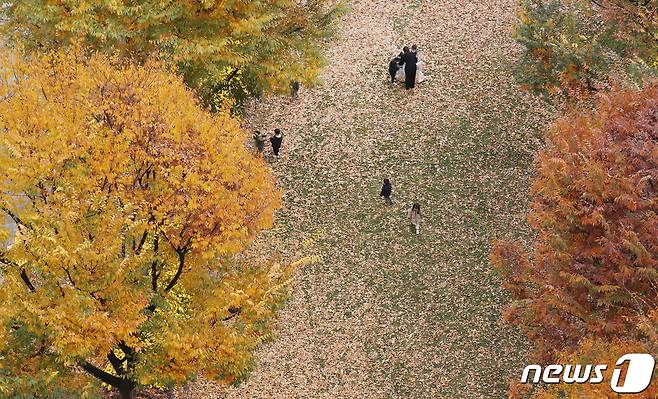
column 593, row 268
column 590, row 351
column 128, row 202
column 595, row 351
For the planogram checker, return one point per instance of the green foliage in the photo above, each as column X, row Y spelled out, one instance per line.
column 270, row 42
column 562, row 50
column 25, row 349
column 635, row 25
column 571, row 47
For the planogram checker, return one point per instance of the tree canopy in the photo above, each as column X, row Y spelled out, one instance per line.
column 129, row 202
column 267, row 44
column 594, row 263
column 572, row 47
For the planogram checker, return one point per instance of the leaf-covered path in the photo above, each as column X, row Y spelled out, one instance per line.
column 388, row 314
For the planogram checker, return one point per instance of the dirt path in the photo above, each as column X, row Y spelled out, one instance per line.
column 389, row 314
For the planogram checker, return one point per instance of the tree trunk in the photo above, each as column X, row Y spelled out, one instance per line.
column 125, row 386
column 127, row 390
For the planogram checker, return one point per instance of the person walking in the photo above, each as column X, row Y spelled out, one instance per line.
column 409, row 58
column 386, row 191
column 415, row 216
column 260, row 139
column 276, row 141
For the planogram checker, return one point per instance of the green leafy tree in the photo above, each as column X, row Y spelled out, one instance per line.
column 266, row 44
column 636, row 26
column 571, row 47
column 562, row 52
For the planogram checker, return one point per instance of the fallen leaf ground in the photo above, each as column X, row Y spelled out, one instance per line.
column 388, row 314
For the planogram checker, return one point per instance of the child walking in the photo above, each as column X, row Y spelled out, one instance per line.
column 415, row 217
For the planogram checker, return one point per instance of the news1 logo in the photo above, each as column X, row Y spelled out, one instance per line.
column 637, row 379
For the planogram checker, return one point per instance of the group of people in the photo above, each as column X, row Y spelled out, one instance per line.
column 414, row 214
column 276, row 140
column 407, row 67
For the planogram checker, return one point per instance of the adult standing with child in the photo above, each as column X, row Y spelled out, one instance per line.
column 407, row 67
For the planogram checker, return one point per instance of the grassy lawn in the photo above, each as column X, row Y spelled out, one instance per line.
column 389, row 314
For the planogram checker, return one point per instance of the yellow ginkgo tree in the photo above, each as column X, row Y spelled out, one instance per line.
column 126, row 204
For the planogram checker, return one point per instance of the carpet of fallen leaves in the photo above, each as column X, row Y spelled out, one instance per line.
column 388, row 314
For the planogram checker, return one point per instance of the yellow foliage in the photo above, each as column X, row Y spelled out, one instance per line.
column 128, row 199
column 272, row 41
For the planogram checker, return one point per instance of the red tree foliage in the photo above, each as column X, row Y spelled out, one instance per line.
column 593, row 269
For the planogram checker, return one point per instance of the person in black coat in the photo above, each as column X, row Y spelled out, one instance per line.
column 410, row 60
column 393, row 68
column 276, row 141
column 387, row 189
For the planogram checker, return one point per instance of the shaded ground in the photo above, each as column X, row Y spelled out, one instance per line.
column 389, row 314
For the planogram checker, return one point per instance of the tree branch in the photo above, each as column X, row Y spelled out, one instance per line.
column 102, row 375
column 17, row 220
column 26, row 280
column 8, row 262
column 154, row 276
column 68, row 275
column 231, row 75
column 117, row 364
column 181, row 265
column 129, row 354
column 154, row 265
column 233, row 312
column 141, row 242
column 127, row 350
